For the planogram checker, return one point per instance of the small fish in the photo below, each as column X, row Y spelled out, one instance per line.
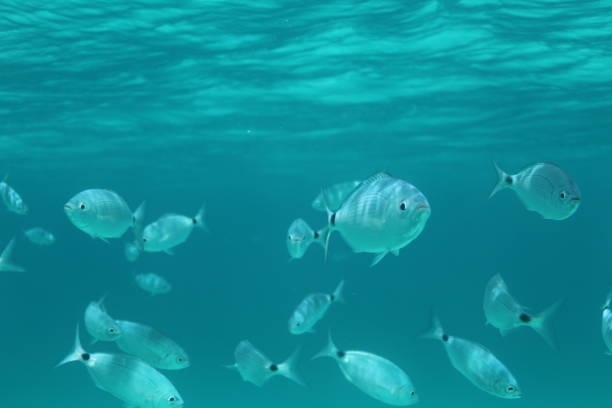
column 544, row 188
column 39, row 236
column 103, row 214
column 383, row 214
column 300, row 236
column 150, row 345
column 131, row 252
column 99, row 324
column 5, row 259
column 477, row 364
column 152, row 283
column 374, row 375
column 127, row 378
column 256, row 368
column 12, row 200
column 171, row 230
column 334, row 195
column 312, row 309
column 606, row 324
column 505, row 313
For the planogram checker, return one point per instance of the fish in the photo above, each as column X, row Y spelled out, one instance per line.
column 39, row 236
column 334, row 195
column 476, row 363
column 505, row 313
column 300, row 236
column 103, row 214
column 152, row 283
column 256, row 368
column 131, row 252
column 543, row 188
column 376, row 376
column 606, row 323
column 151, row 346
column 99, row 324
column 383, row 214
column 171, row 230
column 312, row 309
column 127, row 378
column 6, row 265
column 12, row 200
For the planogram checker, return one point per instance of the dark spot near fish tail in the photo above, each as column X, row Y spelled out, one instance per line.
column 85, row 356
column 525, row 318
column 332, row 297
column 273, row 367
column 194, row 221
column 340, row 354
column 316, row 235
column 509, row 180
column 332, row 219
column 445, row 338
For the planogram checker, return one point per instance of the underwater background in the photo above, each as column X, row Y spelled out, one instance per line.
column 253, row 107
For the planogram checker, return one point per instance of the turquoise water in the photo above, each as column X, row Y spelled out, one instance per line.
column 252, row 107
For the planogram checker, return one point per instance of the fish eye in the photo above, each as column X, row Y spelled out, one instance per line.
column 563, row 195
column 171, row 398
column 180, row 359
column 112, row 330
column 403, row 206
column 82, row 206
column 510, row 388
column 412, row 393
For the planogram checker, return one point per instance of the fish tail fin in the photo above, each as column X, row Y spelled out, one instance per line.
column 338, row 295
column 542, row 324
column 378, row 257
column 501, row 180
column 198, row 219
column 138, row 226
column 287, row 368
column 77, row 352
column 435, row 332
column 5, row 259
column 330, row 349
column 321, row 236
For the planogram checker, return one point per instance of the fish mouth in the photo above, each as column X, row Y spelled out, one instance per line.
column 67, row 207
column 576, row 199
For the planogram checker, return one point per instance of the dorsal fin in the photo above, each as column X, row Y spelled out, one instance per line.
column 375, row 177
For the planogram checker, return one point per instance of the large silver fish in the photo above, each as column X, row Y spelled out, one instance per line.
column 152, row 283
column 104, row 214
column 256, row 368
column 12, row 200
column 606, row 324
column 335, row 195
column 544, row 188
column 312, row 309
column 374, row 375
column 477, row 364
column 39, row 236
column 6, row 265
column 171, row 230
column 99, row 324
column 505, row 313
column 300, row 236
column 127, row 378
column 383, row 214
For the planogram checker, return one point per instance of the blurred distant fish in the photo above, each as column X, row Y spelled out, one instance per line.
column 152, row 283
column 127, row 378
column 477, row 364
column 544, row 188
column 39, row 236
column 12, row 200
column 171, row 230
column 606, row 323
column 99, row 324
column 312, row 309
column 131, row 252
column 383, row 214
column 256, row 368
column 150, row 345
column 505, row 313
column 300, row 236
column 5, row 259
column 104, row 214
column 374, row 375
column 334, row 195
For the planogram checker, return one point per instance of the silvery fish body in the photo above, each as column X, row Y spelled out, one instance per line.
column 152, row 283
column 477, row 364
column 256, row 368
column 334, row 195
column 300, row 236
column 99, row 324
column 374, row 375
column 39, row 236
column 12, row 200
column 606, row 323
column 131, row 252
column 150, row 345
column 312, row 309
column 102, row 214
column 383, row 214
column 543, row 188
column 170, row 230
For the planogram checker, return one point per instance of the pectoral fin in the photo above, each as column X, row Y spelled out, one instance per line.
column 378, row 258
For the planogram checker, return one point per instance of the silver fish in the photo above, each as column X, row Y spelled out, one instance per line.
column 300, row 236
column 103, row 214
column 6, row 265
column 505, row 313
column 256, row 368
column 39, row 236
column 171, row 230
column 544, row 188
column 127, row 378
column 99, row 324
column 374, row 375
column 335, row 195
column 150, row 345
column 131, row 252
column 312, row 309
column 383, row 214
column 12, row 200
column 477, row 364
column 152, row 283
column 606, row 324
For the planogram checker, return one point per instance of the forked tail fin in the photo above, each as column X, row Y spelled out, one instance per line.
column 287, row 368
